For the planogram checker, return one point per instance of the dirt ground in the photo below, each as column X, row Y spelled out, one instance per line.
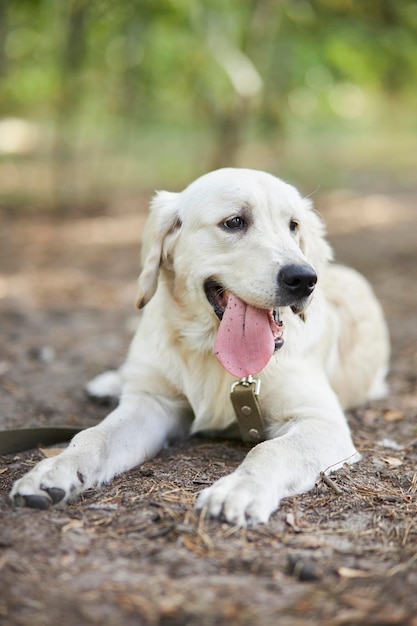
column 134, row 552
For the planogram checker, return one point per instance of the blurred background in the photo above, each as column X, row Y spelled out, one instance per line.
column 103, row 100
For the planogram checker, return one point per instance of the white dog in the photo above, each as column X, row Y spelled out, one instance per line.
column 236, row 281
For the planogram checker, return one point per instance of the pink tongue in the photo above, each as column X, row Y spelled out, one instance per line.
column 244, row 342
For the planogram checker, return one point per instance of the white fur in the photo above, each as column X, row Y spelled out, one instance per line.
column 334, row 356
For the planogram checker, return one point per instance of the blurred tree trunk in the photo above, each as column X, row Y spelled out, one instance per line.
column 228, row 131
column 262, row 37
column 3, row 31
column 69, row 95
column 230, row 122
column 73, row 54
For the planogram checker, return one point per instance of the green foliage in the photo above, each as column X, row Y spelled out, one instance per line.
column 149, row 52
column 258, row 68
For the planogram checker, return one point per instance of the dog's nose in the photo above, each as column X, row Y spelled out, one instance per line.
column 297, row 280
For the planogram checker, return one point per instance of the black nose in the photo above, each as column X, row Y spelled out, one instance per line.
column 297, row 280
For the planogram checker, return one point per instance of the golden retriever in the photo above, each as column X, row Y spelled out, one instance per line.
column 237, row 281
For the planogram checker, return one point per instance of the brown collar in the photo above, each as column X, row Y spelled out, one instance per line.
column 244, row 396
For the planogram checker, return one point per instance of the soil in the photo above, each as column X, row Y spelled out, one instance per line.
column 134, row 551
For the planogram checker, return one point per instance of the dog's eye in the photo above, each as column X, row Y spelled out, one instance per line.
column 294, row 226
column 234, row 223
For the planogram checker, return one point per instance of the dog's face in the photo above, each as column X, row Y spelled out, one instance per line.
column 239, row 233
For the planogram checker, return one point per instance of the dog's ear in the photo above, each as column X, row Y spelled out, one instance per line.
column 314, row 244
column 163, row 222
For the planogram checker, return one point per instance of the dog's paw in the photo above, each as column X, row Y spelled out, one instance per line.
column 239, row 499
column 106, row 386
column 51, row 481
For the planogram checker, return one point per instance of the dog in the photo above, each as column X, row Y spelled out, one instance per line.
column 237, row 286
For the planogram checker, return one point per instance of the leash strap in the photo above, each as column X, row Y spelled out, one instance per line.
column 19, row 439
column 244, row 396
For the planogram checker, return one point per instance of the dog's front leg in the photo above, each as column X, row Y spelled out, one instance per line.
column 280, row 467
column 134, row 432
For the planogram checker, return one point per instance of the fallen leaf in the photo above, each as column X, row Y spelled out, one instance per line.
column 348, row 572
column 290, row 520
column 73, row 525
column 359, row 602
column 50, row 452
column 310, row 541
column 393, row 461
column 390, row 443
column 393, row 415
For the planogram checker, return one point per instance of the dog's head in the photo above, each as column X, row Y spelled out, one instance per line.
column 235, row 244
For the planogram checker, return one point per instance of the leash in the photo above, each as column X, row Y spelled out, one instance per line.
column 19, row 439
column 243, row 394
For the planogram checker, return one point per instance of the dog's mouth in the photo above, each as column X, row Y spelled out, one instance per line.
column 217, row 296
column 247, row 336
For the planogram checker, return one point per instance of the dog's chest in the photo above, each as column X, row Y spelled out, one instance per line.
column 207, row 389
